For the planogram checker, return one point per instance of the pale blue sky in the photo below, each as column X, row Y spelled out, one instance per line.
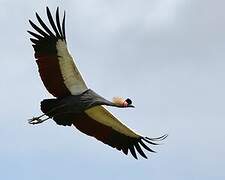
column 166, row 55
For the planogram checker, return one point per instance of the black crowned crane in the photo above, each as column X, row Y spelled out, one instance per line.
column 75, row 104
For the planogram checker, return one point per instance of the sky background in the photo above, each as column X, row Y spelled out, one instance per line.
column 166, row 55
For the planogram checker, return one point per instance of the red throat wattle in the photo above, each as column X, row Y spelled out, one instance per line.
column 125, row 104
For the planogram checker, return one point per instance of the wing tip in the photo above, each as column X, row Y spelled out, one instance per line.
column 160, row 138
column 44, row 31
column 47, row 9
column 148, row 140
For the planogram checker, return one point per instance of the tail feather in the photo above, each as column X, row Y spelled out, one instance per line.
column 52, row 108
column 48, row 104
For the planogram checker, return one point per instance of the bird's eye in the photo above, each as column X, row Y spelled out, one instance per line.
column 128, row 101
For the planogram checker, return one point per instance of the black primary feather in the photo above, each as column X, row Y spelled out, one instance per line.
column 58, row 22
column 52, row 22
column 138, row 148
column 63, row 25
column 35, row 35
column 145, row 146
column 132, row 150
column 44, row 26
column 38, row 29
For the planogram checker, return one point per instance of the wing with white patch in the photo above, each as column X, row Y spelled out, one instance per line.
column 56, row 66
column 101, row 124
column 103, row 116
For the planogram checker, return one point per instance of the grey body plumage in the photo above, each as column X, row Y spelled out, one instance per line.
column 60, row 108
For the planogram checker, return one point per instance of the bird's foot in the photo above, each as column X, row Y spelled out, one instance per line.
column 36, row 120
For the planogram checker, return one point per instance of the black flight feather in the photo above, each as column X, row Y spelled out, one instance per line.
column 52, row 22
column 35, row 35
column 158, row 138
column 44, row 26
column 132, row 150
column 150, row 142
column 38, row 29
column 63, row 26
column 145, row 146
column 58, row 22
column 35, row 41
column 137, row 146
column 125, row 150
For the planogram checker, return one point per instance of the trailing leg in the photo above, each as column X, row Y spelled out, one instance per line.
column 49, row 108
column 37, row 120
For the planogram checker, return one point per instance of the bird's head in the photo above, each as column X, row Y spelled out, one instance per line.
column 120, row 102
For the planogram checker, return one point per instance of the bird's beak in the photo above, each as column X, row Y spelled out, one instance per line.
column 130, row 105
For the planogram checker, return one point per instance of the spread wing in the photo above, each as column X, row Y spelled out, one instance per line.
column 101, row 124
column 56, row 67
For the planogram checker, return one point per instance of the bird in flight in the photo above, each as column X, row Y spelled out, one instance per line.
column 74, row 103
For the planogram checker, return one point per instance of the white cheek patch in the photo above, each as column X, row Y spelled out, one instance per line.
column 71, row 76
column 101, row 115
